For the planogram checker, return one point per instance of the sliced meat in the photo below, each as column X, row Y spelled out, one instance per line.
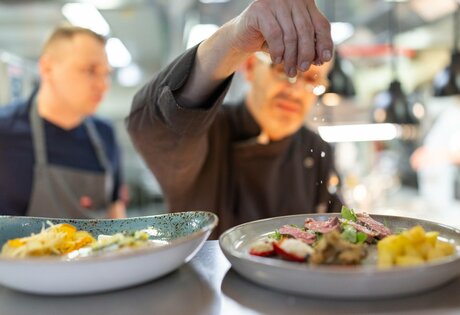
column 322, row 226
column 297, row 233
column 367, row 221
column 361, row 228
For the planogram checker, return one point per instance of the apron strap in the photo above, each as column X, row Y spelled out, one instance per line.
column 38, row 134
column 96, row 141
column 39, row 140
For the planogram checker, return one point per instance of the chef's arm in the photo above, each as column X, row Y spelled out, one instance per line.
column 294, row 33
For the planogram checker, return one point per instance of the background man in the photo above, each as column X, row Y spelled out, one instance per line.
column 57, row 160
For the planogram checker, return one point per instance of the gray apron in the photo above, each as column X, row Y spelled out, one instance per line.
column 63, row 192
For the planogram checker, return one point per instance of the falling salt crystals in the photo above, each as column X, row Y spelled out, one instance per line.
column 311, row 150
column 323, row 154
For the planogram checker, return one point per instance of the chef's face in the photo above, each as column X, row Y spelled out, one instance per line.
column 280, row 104
column 77, row 72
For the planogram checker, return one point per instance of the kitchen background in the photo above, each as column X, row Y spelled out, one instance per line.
column 395, row 86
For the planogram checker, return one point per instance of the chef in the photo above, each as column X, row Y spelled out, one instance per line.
column 56, row 158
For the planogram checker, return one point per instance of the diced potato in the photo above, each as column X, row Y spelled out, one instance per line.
column 393, row 244
column 385, row 259
column 424, row 248
column 416, row 234
column 446, row 248
column 435, row 254
column 432, row 237
column 412, row 247
column 408, row 260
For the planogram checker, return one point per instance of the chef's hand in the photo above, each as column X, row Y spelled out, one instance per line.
column 117, row 210
column 293, row 32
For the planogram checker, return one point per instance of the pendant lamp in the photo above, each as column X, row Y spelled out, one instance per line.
column 447, row 82
column 392, row 105
column 340, row 84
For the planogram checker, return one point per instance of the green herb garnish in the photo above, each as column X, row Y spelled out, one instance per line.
column 361, row 237
column 351, row 235
column 276, row 235
column 348, row 214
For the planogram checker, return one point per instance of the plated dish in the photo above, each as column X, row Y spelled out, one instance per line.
column 174, row 238
column 363, row 280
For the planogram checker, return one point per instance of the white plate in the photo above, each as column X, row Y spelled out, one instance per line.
column 184, row 233
column 336, row 281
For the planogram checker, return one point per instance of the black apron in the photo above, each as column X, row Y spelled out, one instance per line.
column 64, row 192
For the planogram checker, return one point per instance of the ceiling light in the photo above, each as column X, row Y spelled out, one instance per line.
column 430, row 12
column 87, row 16
column 117, row 53
column 130, row 75
column 339, row 82
column 392, row 105
column 106, row 4
column 393, row 102
column 447, row 82
column 359, row 132
column 199, row 33
column 213, row 1
column 331, row 99
column 341, row 31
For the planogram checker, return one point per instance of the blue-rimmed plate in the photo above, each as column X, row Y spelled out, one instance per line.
column 334, row 281
column 181, row 235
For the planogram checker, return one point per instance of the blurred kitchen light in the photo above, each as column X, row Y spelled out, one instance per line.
column 417, row 39
column 214, row 1
column 418, row 110
column 447, row 82
column 429, row 12
column 106, row 4
column 319, row 90
column 359, row 132
column 199, row 33
column 86, row 15
column 341, row 31
column 331, row 99
column 117, row 53
column 130, row 75
column 360, row 193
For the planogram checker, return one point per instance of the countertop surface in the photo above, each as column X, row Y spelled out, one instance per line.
column 208, row 285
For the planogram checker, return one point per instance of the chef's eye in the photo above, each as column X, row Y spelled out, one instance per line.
column 90, row 70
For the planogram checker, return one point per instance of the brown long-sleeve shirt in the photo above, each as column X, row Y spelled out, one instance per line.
column 207, row 158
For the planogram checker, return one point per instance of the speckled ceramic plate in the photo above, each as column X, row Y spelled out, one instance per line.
column 182, row 235
column 333, row 281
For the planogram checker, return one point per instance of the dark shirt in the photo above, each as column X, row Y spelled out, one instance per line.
column 70, row 148
column 207, row 158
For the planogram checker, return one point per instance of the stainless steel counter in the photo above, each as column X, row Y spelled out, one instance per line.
column 207, row 285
